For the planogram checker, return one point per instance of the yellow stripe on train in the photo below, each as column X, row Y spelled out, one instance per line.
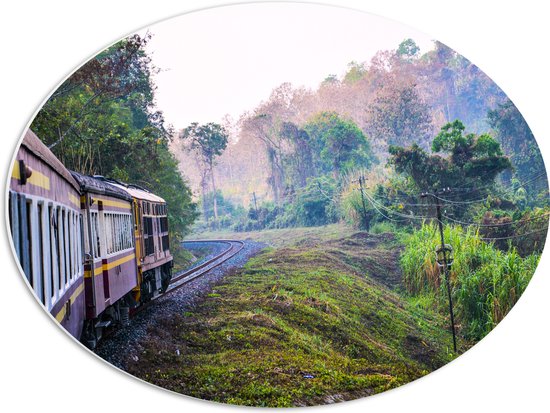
column 36, row 178
column 116, row 204
column 110, row 265
column 74, row 200
column 61, row 314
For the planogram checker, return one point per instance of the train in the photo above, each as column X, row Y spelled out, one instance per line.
column 92, row 249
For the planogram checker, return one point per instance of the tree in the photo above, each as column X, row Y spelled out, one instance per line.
column 472, row 160
column 299, row 162
column 208, row 142
column 518, row 141
column 265, row 123
column 340, row 144
column 399, row 116
column 102, row 120
column 408, row 49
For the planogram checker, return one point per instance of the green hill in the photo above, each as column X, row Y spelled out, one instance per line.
column 309, row 322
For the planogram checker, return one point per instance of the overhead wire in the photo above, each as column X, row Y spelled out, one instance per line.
column 451, row 201
column 374, row 203
column 499, row 224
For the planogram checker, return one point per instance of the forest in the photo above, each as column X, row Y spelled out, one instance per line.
column 398, row 125
column 378, row 149
column 103, row 121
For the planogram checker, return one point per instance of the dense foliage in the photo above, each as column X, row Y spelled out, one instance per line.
column 472, row 160
column 102, row 120
column 518, row 142
column 486, row 282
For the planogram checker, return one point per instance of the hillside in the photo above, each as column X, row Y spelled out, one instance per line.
column 312, row 321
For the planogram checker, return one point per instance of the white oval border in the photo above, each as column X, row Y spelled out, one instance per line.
column 505, row 371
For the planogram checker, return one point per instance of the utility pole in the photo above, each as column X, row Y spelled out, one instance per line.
column 365, row 220
column 442, row 259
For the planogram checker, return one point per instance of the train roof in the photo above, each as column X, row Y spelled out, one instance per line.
column 140, row 193
column 100, row 186
column 36, row 147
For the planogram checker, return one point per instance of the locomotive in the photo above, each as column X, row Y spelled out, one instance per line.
column 91, row 249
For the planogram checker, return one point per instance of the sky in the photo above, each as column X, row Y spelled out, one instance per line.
column 228, row 59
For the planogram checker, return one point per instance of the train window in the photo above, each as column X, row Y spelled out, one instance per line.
column 82, row 239
column 163, row 224
column 148, row 236
column 70, row 236
column 52, row 250
column 58, row 249
column 68, row 247
column 119, row 232
column 66, row 263
column 165, row 243
column 122, row 232
column 29, row 241
column 61, row 243
column 74, row 229
column 113, row 233
column 95, row 235
column 14, row 221
column 41, row 251
column 109, row 230
column 46, row 252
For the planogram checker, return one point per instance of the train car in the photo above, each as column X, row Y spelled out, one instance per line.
column 153, row 256
column 46, row 226
column 110, row 270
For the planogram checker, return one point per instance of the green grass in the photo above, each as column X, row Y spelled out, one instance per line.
column 182, row 257
column 486, row 282
column 282, row 237
column 315, row 310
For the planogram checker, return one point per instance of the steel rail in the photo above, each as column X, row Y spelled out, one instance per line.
column 185, row 276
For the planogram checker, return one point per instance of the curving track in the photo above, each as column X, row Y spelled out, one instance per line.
column 183, row 277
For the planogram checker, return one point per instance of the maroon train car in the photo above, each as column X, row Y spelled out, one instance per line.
column 46, row 228
column 110, row 270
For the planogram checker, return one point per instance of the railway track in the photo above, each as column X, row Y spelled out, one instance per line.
column 183, row 277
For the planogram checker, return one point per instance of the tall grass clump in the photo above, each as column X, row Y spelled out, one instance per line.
column 486, row 282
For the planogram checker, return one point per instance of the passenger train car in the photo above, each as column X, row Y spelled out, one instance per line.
column 152, row 242
column 91, row 248
column 47, row 228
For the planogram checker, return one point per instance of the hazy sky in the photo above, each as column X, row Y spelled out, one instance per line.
column 226, row 60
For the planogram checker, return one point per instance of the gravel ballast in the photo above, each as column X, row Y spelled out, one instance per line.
column 125, row 341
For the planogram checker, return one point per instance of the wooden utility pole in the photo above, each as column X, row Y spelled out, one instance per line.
column 445, row 264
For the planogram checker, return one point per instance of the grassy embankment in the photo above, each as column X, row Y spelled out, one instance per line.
column 308, row 321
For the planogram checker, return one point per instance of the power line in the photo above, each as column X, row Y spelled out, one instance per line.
column 380, row 212
column 374, row 203
column 513, row 236
column 485, row 198
column 500, row 224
